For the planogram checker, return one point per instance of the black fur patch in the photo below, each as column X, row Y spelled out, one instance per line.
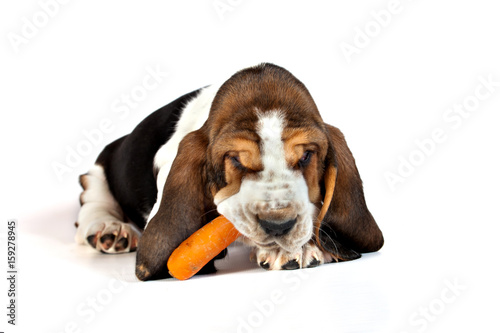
column 128, row 162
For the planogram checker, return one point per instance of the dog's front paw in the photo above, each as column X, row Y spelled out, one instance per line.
column 111, row 237
column 310, row 255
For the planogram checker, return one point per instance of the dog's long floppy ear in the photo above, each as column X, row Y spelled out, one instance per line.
column 182, row 209
column 345, row 227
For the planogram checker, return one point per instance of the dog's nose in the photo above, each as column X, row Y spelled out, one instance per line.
column 273, row 228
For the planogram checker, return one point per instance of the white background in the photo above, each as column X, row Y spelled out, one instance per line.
column 440, row 222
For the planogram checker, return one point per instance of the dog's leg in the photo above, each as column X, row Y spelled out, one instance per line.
column 101, row 222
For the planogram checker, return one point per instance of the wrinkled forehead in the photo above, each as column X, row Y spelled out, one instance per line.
column 251, row 116
column 276, row 126
column 271, row 129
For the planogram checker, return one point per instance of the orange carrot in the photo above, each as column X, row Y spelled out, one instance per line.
column 201, row 247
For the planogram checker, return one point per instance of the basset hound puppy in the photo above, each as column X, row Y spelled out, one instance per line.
column 254, row 149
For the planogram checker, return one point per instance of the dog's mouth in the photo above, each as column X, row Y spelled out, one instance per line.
column 255, row 234
column 283, row 242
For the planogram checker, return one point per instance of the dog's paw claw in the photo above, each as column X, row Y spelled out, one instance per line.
column 265, row 264
column 292, row 264
column 277, row 259
column 112, row 237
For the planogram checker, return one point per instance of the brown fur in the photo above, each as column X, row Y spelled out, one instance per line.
column 348, row 228
column 183, row 208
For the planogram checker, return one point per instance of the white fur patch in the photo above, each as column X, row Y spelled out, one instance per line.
column 101, row 214
column 270, row 129
column 192, row 118
column 99, row 205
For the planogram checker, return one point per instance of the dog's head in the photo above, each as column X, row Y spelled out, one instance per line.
column 267, row 155
column 266, row 160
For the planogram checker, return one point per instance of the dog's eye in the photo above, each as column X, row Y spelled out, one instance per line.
column 237, row 163
column 305, row 159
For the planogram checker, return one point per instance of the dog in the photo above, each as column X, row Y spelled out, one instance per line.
column 254, row 149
